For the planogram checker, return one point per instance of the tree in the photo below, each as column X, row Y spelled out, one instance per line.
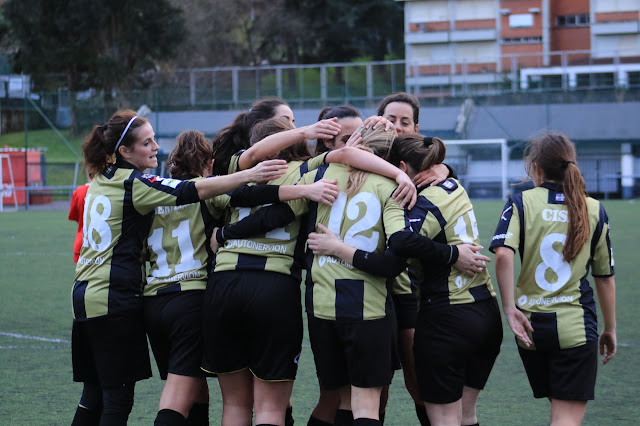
column 94, row 43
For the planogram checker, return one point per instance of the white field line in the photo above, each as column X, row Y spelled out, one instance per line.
column 41, row 339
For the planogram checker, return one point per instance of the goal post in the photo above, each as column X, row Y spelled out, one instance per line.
column 482, row 166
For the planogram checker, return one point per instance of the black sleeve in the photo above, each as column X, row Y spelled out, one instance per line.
column 264, row 220
column 386, row 264
column 452, row 173
column 188, row 194
column 255, row 195
column 411, row 244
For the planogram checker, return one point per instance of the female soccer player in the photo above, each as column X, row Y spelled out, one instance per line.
column 109, row 345
column 403, row 110
column 458, row 330
column 561, row 233
column 179, row 258
column 236, row 136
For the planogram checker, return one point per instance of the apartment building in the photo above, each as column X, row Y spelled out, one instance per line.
column 521, row 42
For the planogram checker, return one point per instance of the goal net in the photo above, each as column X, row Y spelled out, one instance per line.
column 482, row 166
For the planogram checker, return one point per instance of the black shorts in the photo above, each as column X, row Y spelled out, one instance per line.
column 406, row 308
column 456, row 346
column 174, row 326
column 110, row 350
column 252, row 319
column 567, row 374
column 357, row 353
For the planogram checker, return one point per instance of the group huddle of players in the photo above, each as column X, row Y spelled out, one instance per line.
column 209, row 268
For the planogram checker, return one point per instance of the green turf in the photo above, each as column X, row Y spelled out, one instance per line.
column 36, row 386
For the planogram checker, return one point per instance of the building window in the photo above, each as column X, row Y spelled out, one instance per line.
column 581, row 20
column 522, row 40
column 521, row 21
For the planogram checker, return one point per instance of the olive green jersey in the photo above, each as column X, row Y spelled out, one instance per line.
column 445, row 214
column 118, row 211
column 365, row 220
column 273, row 251
column 554, row 294
column 178, row 245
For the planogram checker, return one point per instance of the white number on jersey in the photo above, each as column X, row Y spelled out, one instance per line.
column 461, row 228
column 187, row 261
column 372, row 212
column 553, row 260
column 97, row 223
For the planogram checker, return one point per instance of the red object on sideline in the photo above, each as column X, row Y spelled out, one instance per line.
column 76, row 212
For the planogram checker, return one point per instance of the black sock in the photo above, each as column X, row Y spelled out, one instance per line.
column 363, row 421
column 167, row 417
column 317, row 422
column 343, row 418
column 86, row 417
column 288, row 419
column 421, row 411
column 199, row 414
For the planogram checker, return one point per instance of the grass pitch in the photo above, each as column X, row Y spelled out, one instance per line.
column 36, row 387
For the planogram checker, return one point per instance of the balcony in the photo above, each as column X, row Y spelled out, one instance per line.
column 606, row 28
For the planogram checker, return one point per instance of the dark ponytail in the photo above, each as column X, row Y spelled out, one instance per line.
column 236, row 136
column 99, row 147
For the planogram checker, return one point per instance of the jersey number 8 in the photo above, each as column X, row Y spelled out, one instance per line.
column 97, row 223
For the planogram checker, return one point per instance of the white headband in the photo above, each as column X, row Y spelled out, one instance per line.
column 124, row 133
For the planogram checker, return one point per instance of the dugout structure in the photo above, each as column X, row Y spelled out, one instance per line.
column 482, row 166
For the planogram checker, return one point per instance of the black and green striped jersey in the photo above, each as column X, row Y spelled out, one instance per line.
column 273, row 251
column 335, row 289
column 118, row 211
column 178, row 244
column 445, row 214
column 554, row 294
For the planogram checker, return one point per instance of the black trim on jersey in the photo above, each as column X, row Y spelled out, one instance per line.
column 418, row 214
column 125, row 276
column 386, row 264
column 545, row 331
column 251, row 262
column 597, row 234
column 589, row 308
column 306, row 227
column 185, row 195
column 517, row 201
column 304, row 168
column 210, row 223
column 502, row 227
column 411, row 244
column 79, row 288
column 448, row 185
column 555, row 194
column 349, row 299
column 480, row 292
